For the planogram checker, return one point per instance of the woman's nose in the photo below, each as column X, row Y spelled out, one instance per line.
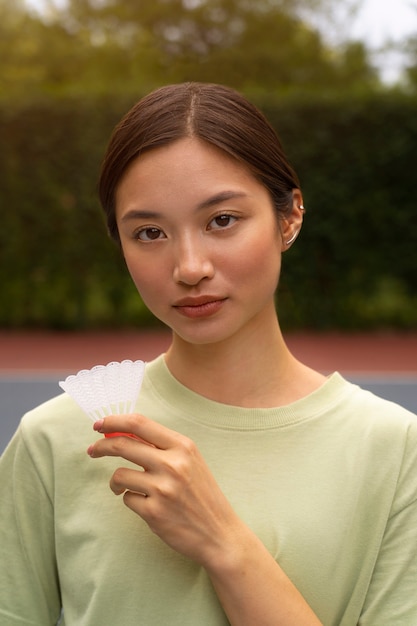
column 192, row 263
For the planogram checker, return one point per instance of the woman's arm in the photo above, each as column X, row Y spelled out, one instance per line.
column 178, row 497
column 29, row 589
column 392, row 593
column 253, row 589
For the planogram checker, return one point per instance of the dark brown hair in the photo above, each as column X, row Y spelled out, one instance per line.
column 210, row 112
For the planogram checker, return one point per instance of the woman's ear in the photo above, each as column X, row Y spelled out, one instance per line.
column 291, row 225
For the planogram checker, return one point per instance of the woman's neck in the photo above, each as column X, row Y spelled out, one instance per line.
column 255, row 370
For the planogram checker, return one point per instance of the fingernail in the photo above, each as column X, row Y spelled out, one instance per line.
column 98, row 425
column 90, row 450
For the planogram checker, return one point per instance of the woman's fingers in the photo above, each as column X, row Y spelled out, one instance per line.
column 142, row 427
column 127, row 479
column 149, row 445
column 134, row 450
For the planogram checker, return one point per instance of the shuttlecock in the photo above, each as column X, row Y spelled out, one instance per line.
column 111, row 389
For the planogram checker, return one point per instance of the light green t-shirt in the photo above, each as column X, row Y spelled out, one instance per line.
column 329, row 484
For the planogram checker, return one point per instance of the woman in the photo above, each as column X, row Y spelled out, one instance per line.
column 257, row 491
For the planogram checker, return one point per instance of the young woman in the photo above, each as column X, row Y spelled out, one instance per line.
column 258, row 492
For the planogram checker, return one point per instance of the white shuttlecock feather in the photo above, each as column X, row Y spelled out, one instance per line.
column 111, row 389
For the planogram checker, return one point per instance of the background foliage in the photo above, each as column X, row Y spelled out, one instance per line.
column 352, row 267
column 69, row 73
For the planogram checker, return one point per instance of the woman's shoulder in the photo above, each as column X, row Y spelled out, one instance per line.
column 376, row 419
column 380, row 409
column 56, row 421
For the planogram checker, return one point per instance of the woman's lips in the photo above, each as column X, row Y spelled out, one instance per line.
column 199, row 307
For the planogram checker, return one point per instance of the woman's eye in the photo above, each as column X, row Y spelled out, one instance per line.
column 149, row 234
column 222, row 221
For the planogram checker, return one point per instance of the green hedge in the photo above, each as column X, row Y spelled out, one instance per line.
column 354, row 265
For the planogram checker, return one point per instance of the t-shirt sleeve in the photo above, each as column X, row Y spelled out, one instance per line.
column 392, row 594
column 29, row 589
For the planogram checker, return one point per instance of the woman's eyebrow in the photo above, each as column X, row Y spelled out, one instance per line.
column 218, row 198
column 135, row 214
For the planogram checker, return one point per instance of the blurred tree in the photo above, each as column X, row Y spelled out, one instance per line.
column 96, row 46
column 411, row 69
column 36, row 56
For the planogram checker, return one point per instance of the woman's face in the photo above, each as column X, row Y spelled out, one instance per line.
column 200, row 239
